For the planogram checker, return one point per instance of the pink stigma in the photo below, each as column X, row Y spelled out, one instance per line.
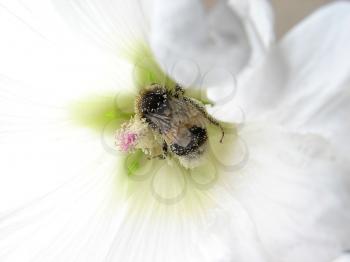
column 126, row 141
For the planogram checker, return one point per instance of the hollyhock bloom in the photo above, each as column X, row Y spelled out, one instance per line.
column 276, row 189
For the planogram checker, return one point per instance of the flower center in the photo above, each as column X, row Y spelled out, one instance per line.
column 169, row 148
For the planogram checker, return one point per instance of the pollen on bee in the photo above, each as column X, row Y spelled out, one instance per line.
column 127, row 137
column 125, row 141
column 135, row 134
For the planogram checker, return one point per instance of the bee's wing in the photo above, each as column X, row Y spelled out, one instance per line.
column 179, row 135
column 187, row 113
column 162, row 121
column 184, row 116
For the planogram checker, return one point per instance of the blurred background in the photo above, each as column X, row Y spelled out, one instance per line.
column 290, row 12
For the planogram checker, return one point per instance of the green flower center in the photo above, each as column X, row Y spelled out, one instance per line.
column 165, row 179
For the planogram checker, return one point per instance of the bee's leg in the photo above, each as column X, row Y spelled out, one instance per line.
column 179, row 91
column 207, row 116
column 216, row 123
column 222, row 133
column 165, row 151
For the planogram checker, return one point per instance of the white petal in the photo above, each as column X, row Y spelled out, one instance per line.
column 305, row 82
column 77, row 222
column 252, row 214
column 101, row 215
column 343, row 258
column 112, row 24
column 39, row 50
column 295, row 189
column 44, row 67
column 258, row 17
column 189, row 41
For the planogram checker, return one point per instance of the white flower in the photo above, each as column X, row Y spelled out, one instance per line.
column 288, row 202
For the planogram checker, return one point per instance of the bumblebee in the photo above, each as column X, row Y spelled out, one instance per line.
column 176, row 123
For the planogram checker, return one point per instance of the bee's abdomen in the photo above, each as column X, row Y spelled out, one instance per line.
column 198, row 138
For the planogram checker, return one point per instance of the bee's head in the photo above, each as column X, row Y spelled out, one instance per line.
column 152, row 104
column 153, row 100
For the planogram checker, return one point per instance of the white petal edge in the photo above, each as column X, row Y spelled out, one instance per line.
column 304, row 82
column 190, row 40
